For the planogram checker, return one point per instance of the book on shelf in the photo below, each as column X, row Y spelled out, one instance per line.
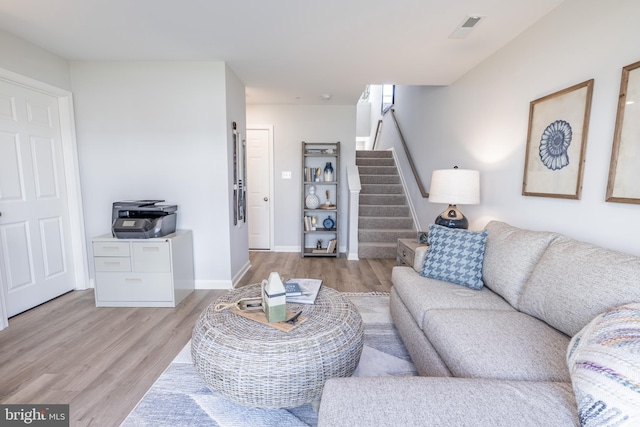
column 293, row 289
column 309, row 289
column 331, row 247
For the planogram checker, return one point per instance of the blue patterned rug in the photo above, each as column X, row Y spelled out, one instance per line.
column 180, row 398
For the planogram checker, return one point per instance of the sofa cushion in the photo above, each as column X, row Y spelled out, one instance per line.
column 425, row 358
column 497, row 344
column 445, row 402
column 510, row 255
column 420, row 294
column 604, row 363
column 575, row 281
column 455, row 255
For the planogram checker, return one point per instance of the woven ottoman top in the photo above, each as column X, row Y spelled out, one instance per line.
column 256, row 365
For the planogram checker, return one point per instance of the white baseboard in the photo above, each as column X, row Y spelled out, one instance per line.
column 213, row 284
column 286, row 249
column 241, row 273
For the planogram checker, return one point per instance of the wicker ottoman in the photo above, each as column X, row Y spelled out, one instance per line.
column 259, row 366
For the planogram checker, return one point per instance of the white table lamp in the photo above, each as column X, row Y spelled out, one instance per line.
column 454, row 187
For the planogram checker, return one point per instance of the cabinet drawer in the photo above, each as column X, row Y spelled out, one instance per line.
column 133, row 287
column 151, row 257
column 405, row 254
column 111, row 249
column 112, row 263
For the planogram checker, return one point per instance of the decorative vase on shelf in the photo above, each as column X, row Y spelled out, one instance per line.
column 312, row 201
column 328, row 172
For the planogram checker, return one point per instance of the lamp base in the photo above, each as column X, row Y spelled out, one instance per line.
column 452, row 218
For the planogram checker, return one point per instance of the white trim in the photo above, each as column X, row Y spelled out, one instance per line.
column 240, row 273
column 353, row 182
column 72, row 176
column 416, row 223
column 269, row 129
column 76, row 214
column 213, row 284
column 286, row 249
column 4, row 320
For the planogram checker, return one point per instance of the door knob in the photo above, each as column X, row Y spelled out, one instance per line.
column 266, row 199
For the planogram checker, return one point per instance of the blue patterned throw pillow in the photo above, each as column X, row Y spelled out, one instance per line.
column 455, row 255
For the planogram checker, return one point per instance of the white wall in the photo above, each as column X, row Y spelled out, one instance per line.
column 150, row 130
column 481, row 122
column 293, row 124
column 21, row 57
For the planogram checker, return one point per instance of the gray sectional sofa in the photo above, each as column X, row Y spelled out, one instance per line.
column 496, row 356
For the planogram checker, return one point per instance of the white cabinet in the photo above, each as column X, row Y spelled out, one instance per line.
column 154, row 272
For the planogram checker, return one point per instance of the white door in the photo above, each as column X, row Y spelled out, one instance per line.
column 259, row 204
column 36, row 260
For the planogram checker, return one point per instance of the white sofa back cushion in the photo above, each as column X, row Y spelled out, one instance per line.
column 510, row 256
column 575, row 281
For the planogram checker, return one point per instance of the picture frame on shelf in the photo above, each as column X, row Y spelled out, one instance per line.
column 623, row 184
column 556, row 143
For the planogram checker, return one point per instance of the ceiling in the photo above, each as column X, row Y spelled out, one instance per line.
column 285, row 51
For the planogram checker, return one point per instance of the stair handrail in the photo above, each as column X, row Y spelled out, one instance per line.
column 423, row 192
column 375, row 138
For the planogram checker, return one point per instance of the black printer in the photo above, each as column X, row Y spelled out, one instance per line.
column 142, row 219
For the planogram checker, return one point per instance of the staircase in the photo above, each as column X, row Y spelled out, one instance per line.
column 384, row 213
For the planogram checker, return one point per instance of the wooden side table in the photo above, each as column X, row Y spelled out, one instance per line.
column 407, row 251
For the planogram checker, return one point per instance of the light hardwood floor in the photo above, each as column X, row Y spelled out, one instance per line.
column 101, row 361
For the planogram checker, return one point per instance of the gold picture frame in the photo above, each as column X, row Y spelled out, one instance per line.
column 623, row 185
column 556, row 143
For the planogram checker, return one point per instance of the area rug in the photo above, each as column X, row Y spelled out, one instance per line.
column 180, row 398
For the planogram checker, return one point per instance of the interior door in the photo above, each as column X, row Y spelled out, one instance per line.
column 259, row 188
column 36, row 261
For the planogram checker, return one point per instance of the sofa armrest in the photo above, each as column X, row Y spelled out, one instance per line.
column 418, row 258
column 436, row 401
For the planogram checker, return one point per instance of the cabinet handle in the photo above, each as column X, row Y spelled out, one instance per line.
column 150, row 249
column 133, row 281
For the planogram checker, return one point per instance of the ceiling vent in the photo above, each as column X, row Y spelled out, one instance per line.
column 467, row 25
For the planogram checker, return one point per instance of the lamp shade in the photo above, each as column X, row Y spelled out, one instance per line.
column 455, row 187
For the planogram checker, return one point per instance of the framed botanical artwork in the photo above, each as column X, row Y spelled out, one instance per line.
column 556, row 143
column 624, row 171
